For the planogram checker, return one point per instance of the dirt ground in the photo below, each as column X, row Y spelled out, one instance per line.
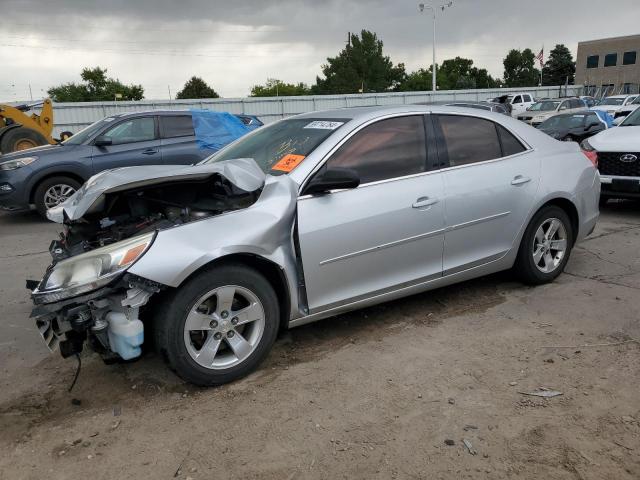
column 375, row 394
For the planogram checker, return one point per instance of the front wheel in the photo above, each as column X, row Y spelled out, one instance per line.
column 52, row 192
column 545, row 246
column 219, row 326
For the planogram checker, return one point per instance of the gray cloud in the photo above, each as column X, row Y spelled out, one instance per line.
column 233, row 45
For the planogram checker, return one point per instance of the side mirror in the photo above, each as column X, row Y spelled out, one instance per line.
column 102, row 141
column 332, row 179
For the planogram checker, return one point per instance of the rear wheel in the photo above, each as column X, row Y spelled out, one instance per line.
column 52, row 192
column 21, row 138
column 545, row 246
column 219, row 326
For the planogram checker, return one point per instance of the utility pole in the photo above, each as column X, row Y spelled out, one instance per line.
column 169, row 89
column 30, row 93
column 422, row 7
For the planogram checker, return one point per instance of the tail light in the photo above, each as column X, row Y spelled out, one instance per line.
column 589, row 152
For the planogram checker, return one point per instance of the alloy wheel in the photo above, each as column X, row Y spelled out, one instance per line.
column 549, row 245
column 56, row 194
column 224, row 327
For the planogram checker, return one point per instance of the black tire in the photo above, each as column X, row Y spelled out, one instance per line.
column 20, row 138
column 65, row 135
column 44, row 186
column 525, row 266
column 169, row 325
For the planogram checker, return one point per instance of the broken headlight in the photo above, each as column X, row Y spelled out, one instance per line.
column 91, row 270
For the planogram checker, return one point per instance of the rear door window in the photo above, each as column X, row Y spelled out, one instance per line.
column 176, row 126
column 469, row 139
column 527, row 98
column 391, row 148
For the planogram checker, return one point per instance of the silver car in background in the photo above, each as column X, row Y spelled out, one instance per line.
column 304, row 219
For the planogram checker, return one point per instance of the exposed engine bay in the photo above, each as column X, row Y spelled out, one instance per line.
column 145, row 209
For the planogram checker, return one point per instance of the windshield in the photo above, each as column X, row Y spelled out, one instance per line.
column 612, row 101
column 543, row 107
column 636, row 101
column 280, row 147
column 563, row 122
column 632, row 120
column 87, row 132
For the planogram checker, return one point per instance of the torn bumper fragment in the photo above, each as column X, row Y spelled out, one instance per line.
column 107, row 319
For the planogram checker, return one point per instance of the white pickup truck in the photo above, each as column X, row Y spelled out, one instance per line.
column 517, row 102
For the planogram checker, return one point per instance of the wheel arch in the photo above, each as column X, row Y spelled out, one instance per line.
column 48, row 175
column 274, row 274
column 569, row 208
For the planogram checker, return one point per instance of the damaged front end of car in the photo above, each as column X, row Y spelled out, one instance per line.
column 87, row 295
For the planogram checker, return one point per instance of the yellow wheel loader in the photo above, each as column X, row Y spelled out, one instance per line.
column 19, row 130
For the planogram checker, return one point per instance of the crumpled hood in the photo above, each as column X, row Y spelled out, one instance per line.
column 244, row 173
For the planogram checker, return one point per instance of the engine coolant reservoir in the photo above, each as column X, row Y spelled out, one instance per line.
column 125, row 336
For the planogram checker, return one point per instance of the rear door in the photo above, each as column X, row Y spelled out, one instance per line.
column 490, row 184
column 517, row 106
column 178, row 141
column 383, row 235
column 134, row 142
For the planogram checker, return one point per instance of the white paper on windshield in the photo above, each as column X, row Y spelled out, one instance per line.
column 322, row 125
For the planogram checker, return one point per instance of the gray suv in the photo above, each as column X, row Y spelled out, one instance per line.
column 48, row 175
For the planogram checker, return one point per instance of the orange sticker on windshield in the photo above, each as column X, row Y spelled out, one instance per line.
column 288, row 162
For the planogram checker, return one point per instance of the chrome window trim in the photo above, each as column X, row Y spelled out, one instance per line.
column 320, row 164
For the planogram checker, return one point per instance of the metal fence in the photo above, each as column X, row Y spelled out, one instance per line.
column 75, row 116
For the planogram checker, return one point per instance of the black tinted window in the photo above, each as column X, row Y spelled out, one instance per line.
column 469, row 139
column 610, row 60
column 176, row 126
column 629, row 58
column 386, row 149
column 518, row 99
column 592, row 61
column 510, row 144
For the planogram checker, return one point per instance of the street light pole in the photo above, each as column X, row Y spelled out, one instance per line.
column 422, row 8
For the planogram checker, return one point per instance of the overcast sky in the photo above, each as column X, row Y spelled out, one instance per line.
column 235, row 44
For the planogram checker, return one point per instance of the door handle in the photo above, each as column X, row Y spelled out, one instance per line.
column 520, row 180
column 150, row 151
column 424, row 202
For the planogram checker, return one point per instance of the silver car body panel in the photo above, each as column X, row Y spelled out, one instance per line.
column 386, row 239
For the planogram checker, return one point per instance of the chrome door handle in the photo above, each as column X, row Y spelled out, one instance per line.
column 424, row 202
column 520, row 180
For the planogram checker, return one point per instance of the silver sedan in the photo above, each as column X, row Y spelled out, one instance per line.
column 301, row 220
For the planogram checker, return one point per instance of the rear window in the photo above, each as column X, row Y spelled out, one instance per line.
column 176, row 126
column 280, row 147
column 469, row 139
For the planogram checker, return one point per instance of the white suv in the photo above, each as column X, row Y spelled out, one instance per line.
column 617, row 153
column 614, row 103
column 516, row 102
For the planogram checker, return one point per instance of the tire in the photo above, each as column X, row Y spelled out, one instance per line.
column 544, row 271
column 43, row 195
column 21, row 138
column 65, row 135
column 183, row 345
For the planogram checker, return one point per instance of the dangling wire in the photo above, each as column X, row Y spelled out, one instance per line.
column 75, row 378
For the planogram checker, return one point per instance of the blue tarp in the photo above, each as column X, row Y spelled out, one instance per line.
column 214, row 130
column 605, row 117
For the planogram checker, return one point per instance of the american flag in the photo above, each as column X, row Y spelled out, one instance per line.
column 540, row 57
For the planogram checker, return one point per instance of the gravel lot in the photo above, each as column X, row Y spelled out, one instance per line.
column 372, row 394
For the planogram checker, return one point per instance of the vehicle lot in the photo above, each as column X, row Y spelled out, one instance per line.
column 371, row 394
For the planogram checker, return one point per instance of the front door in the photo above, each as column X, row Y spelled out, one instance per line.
column 385, row 234
column 490, row 185
column 134, row 141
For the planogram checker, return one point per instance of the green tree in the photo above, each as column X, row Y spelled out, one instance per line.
column 454, row 73
column 519, row 69
column 95, row 87
column 559, row 66
column 275, row 87
column 196, row 88
column 360, row 67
